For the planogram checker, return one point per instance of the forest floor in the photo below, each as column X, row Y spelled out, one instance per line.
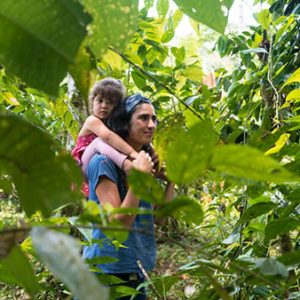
column 175, row 244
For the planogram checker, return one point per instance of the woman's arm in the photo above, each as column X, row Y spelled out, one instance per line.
column 96, row 126
column 107, row 191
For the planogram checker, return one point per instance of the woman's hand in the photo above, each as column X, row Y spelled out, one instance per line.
column 143, row 162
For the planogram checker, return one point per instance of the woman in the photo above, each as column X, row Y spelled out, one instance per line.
column 135, row 121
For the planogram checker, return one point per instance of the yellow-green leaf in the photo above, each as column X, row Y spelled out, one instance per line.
column 295, row 77
column 279, row 144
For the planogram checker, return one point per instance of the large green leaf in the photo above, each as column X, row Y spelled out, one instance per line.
column 246, row 162
column 16, row 269
column 39, row 39
column 295, row 77
column 270, row 266
column 290, row 258
column 256, row 210
column 145, row 187
column 43, row 180
column 280, row 226
column 182, row 208
column 188, row 155
column 114, row 21
column 209, row 13
column 61, row 253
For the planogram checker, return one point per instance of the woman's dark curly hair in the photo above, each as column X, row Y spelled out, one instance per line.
column 119, row 122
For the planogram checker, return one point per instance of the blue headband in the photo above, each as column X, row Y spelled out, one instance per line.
column 132, row 101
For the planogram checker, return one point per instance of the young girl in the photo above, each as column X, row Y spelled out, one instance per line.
column 103, row 97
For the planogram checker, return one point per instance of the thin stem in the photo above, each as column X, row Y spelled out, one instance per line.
column 151, row 77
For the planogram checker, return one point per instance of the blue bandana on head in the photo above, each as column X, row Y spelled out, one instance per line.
column 132, row 101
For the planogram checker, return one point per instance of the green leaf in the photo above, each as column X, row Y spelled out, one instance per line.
column 39, row 39
column 164, row 283
column 42, row 179
column 280, row 226
column 162, row 7
column 295, row 77
column 139, row 81
column 293, row 95
column 290, row 258
column 145, row 187
column 182, row 208
column 279, row 144
column 101, row 260
column 270, row 266
column 187, row 157
column 17, row 266
column 264, row 19
column 179, row 54
column 5, row 185
column 254, row 50
column 206, row 12
column 114, row 22
column 61, row 253
column 256, row 210
column 148, row 3
column 246, row 162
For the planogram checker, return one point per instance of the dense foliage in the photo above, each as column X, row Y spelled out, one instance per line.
column 232, row 147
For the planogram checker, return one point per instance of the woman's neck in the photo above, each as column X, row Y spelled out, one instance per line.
column 136, row 146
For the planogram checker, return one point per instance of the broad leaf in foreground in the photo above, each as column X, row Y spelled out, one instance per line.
column 209, row 13
column 39, row 39
column 16, row 269
column 61, row 253
column 114, row 21
column 249, row 163
column 43, row 180
column 188, row 156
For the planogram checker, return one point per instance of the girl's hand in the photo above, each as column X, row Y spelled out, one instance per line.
column 133, row 155
column 143, row 162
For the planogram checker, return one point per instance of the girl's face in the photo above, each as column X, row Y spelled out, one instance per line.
column 102, row 108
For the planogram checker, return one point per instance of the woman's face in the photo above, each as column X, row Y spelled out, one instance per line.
column 142, row 125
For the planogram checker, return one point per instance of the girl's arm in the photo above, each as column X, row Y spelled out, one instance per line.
column 98, row 146
column 95, row 125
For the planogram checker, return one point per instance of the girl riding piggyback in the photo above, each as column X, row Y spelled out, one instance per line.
column 104, row 96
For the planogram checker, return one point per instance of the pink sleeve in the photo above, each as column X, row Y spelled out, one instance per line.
column 98, row 146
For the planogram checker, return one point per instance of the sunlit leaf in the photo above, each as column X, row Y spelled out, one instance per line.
column 114, row 21
column 17, row 266
column 279, row 144
column 39, row 39
column 295, row 77
column 255, row 50
column 62, row 255
column 264, row 18
column 293, row 95
column 188, row 155
column 246, row 162
column 43, row 180
column 209, row 13
column 162, row 7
